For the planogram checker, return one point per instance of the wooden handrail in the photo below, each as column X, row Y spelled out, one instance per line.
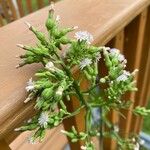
column 103, row 20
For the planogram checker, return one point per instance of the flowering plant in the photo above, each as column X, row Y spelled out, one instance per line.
column 55, row 84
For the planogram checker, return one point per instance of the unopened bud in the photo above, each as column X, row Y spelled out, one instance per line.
column 17, row 129
column 27, row 100
column 102, row 80
column 52, row 5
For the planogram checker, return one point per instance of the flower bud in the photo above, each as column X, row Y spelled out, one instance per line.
column 102, row 80
column 64, row 40
column 47, row 93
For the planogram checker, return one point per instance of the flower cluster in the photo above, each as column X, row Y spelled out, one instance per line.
column 54, row 83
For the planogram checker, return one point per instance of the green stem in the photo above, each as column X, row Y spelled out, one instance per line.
column 91, row 88
column 75, row 85
column 88, row 124
column 75, row 112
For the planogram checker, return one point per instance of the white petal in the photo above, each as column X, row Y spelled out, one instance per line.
column 83, row 147
column 50, row 66
column 121, row 57
column 59, row 91
column 85, row 62
column 43, row 119
column 30, row 85
column 84, row 35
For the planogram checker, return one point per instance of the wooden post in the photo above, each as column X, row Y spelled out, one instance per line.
column 20, row 8
column 134, row 34
column 140, row 96
column 29, row 6
column 4, row 145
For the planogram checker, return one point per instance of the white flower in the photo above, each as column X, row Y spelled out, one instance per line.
column 84, row 35
column 142, row 142
column 59, row 91
column 98, row 56
column 57, row 18
column 83, row 147
column 50, row 66
column 30, row 85
column 127, row 73
column 43, row 119
column 85, row 62
column 31, row 140
column 121, row 57
column 114, row 51
column 105, row 48
column 124, row 76
column 137, row 146
column 116, row 128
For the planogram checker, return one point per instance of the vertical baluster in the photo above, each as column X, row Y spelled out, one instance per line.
column 4, row 145
column 144, row 94
column 134, row 33
column 144, row 60
column 12, row 8
column 20, row 8
column 1, row 21
column 29, row 6
column 5, row 11
column 40, row 3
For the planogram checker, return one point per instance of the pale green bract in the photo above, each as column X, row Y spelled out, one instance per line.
column 55, row 84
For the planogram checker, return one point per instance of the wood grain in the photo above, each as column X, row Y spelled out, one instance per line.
column 132, row 51
column 142, row 64
column 49, row 142
column 4, row 145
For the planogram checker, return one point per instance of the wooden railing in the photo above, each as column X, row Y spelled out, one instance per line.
column 122, row 24
column 10, row 11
